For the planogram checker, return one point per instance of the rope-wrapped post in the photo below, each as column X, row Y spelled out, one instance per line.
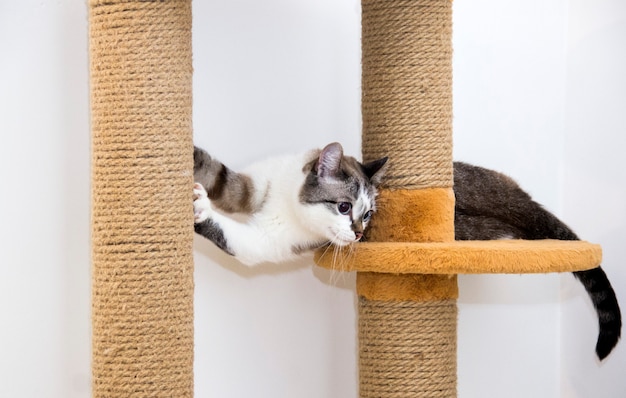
column 142, row 216
column 406, row 272
column 407, row 323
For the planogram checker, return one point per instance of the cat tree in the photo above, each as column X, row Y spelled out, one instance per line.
column 142, row 162
column 406, row 277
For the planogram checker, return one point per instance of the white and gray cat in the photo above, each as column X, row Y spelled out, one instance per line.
column 293, row 203
column 298, row 203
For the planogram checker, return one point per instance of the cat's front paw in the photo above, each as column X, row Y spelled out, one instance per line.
column 201, row 204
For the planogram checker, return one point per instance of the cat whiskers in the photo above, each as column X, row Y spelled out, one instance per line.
column 342, row 256
column 328, row 247
column 337, row 269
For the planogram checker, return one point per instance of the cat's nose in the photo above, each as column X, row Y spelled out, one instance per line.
column 358, row 235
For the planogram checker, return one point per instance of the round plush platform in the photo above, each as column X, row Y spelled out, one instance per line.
column 464, row 257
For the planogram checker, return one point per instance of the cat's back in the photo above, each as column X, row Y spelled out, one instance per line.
column 468, row 176
column 475, row 185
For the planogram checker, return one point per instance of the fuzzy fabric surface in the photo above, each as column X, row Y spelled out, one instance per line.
column 406, row 287
column 424, row 215
column 466, row 257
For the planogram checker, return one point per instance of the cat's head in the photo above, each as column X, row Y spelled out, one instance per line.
column 339, row 194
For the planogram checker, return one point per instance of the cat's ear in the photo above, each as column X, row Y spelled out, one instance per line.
column 375, row 170
column 329, row 162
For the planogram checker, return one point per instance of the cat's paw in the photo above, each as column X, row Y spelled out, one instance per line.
column 201, row 204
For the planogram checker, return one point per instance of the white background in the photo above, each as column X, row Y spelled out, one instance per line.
column 540, row 93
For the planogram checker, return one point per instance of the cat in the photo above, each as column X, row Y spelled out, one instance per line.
column 298, row 203
column 293, row 204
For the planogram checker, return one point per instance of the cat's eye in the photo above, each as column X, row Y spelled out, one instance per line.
column 344, row 207
column 367, row 216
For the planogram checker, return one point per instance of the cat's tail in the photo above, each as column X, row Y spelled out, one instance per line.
column 598, row 287
column 605, row 302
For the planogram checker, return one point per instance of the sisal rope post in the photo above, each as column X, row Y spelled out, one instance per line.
column 407, row 323
column 142, row 216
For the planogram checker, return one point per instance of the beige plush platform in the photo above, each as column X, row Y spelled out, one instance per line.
column 464, row 257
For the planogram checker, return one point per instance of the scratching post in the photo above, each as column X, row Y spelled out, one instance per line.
column 406, row 272
column 407, row 324
column 142, row 216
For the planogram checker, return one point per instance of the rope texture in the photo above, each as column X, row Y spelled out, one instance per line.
column 142, row 276
column 407, row 349
column 407, row 90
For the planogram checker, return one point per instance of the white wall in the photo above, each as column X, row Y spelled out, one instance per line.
column 540, row 93
column 44, row 201
column 594, row 183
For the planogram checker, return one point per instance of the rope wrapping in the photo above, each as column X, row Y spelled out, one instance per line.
column 407, row 325
column 408, row 349
column 142, row 215
column 407, row 90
